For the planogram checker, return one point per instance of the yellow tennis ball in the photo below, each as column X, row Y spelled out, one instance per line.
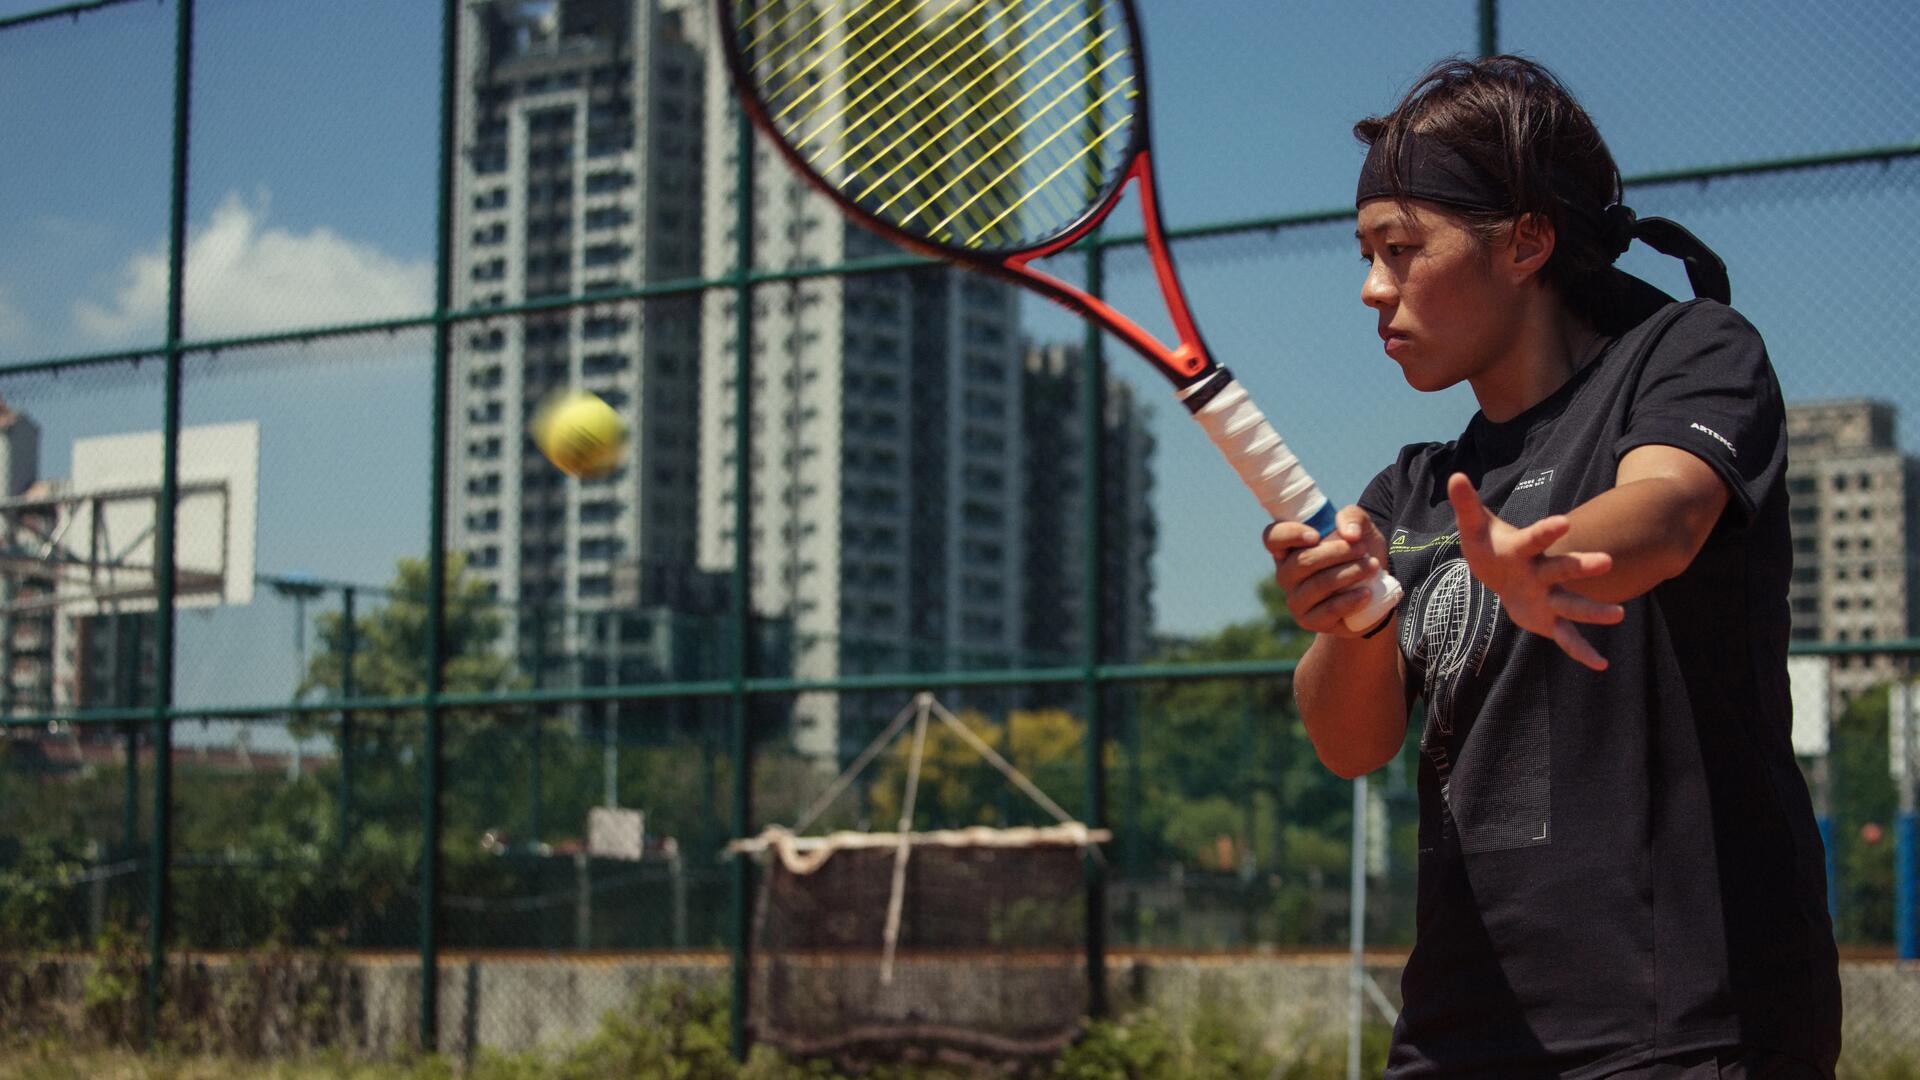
column 580, row 433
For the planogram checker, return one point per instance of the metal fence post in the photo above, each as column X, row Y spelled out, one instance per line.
column 536, row 828
column 159, row 881
column 1092, row 529
column 348, row 645
column 1357, row 927
column 436, row 599
column 1905, row 759
column 1489, row 21
column 739, row 917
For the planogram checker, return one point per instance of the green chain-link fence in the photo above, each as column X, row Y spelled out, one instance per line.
column 344, row 718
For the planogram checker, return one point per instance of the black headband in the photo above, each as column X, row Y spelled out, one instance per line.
column 1431, row 170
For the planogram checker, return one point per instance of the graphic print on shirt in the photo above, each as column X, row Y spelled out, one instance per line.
column 1493, row 765
column 1447, row 628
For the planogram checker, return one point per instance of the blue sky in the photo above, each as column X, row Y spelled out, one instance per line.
column 312, row 188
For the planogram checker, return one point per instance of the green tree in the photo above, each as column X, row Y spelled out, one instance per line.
column 1863, row 795
column 390, row 641
column 959, row 787
column 1230, row 787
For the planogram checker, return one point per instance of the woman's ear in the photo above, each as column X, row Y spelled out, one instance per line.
column 1529, row 245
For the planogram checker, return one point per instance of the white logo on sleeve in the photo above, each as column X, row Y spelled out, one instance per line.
column 1717, row 437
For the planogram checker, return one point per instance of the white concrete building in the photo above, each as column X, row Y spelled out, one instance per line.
column 1853, row 496
column 886, row 508
column 580, row 128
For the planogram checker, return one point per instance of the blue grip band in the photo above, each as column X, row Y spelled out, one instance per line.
column 1322, row 520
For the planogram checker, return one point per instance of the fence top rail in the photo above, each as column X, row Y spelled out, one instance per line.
column 876, row 265
column 1113, row 674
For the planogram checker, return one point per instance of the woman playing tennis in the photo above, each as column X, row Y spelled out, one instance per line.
column 1620, row 873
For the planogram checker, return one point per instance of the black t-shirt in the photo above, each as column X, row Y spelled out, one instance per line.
column 1617, row 865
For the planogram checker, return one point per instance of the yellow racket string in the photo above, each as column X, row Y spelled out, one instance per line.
column 940, row 226
column 983, row 123
column 929, row 173
column 986, row 159
column 866, row 76
column 820, row 54
column 818, row 40
column 933, row 140
column 907, row 109
column 792, row 10
column 1050, row 177
column 826, row 79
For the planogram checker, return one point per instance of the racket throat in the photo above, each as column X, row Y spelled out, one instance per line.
column 1191, row 358
column 1196, row 396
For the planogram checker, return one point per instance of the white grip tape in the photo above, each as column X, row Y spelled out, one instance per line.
column 1268, row 468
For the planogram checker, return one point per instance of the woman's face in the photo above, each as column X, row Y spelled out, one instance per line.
column 1444, row 314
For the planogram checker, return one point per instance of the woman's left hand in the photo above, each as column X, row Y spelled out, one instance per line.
column 1513, row 563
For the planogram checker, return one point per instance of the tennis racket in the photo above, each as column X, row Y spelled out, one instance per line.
column 992, row 133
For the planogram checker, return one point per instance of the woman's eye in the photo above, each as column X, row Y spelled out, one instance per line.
column 1394, row 251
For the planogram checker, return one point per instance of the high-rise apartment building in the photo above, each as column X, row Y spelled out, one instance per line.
column 1853, row 497
column 1056, row 528
column 888, row 494
column 26, row 586
column 886, row 503
column 580, row 129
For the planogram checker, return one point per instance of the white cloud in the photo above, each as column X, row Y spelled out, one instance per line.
column 247, row 277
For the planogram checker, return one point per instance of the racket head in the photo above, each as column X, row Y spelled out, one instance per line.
column 980, row 131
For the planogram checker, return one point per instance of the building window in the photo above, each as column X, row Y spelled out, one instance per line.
column 604, row 363
column 608, row 217
column 603, row 326
column 603, row 547
column 603, row 182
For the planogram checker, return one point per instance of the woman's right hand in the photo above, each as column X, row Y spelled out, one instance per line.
column 1323, row 577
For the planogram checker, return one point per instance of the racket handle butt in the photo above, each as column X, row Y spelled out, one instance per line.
column 1383, row 591
column 1383, row 595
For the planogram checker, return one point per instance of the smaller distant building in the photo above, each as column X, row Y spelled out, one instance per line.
column 1852, row 501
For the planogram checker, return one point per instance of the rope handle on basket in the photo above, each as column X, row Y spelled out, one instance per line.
column 897, row 895
column 920, row 704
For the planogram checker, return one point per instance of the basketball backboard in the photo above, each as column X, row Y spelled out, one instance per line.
column 92, row 535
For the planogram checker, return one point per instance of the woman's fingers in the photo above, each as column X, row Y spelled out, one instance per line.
column 1282, row 537
column 1573, row 566
column 1472, row 517
column 1568, row 637
column 1578, row 608
column 1540, row 535
column 1320, row 587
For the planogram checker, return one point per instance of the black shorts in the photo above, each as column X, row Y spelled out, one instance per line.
column 1726, row 1063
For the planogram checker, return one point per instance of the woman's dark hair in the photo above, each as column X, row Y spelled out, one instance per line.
column 1518, row 124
